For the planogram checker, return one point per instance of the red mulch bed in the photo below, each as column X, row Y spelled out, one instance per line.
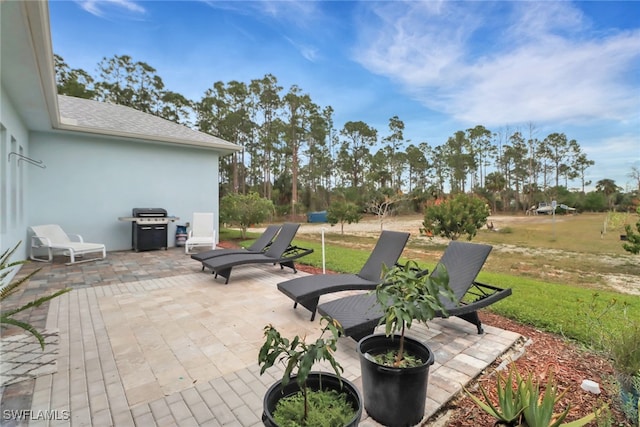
column 545, row 351
column 569, row 363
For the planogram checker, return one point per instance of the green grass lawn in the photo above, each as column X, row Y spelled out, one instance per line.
column 560, row 308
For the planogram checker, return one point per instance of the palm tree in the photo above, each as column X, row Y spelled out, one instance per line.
column 495, row 183
column 609, row 188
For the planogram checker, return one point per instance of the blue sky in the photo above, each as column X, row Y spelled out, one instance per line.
column 440, row 66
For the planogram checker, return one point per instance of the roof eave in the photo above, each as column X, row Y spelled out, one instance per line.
column 224, row 149
column 37, row 17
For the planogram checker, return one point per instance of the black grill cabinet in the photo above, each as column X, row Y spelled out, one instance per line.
column 149, row 230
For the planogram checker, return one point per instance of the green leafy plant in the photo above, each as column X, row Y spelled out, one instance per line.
column 619, row 344
column 615, row 220
column 327, row 408
column 510, row 406
column 407, row 294
column 299, row 357
column 595, row 311
column 625, row 351
column 341, row 212
column 6, row 317
column 245, row 209
column 628, row 400
column 633, row 238
column 604, row 416
column 453, row 218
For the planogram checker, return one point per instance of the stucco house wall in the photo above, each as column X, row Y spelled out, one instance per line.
column 14, row 138
column 90, row 181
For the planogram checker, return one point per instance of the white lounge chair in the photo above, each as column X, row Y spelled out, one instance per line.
column 53, row 238
column 202, row 232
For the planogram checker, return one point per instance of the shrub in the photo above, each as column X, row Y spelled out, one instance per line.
column 245, row 209
column 463, row 214
column 633, row 239
column 341, row 212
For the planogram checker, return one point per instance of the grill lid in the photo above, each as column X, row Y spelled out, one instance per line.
column 149, row 212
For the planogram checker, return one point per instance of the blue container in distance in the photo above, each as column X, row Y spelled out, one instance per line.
column 317, row 216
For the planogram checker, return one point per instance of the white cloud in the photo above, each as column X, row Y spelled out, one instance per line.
column 623, row 148
column 292, row 12
column 96, row 7
column 284, row 16
column 535, row 20
column 416, row 44
column 310, row 53
column 540, row 64
column 614, row 157
column 560, row 80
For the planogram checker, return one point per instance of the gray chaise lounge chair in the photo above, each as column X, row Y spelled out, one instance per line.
column 307, row 290
column 259, row 246
column 280, row 252
column 359, row 314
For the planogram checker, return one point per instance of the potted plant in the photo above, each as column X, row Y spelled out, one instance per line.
column 302, row 397
column 395, row 368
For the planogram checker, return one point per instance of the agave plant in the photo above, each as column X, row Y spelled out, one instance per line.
column 6, row 317
column 510, row 405
column 539, row 409
column 520, row 402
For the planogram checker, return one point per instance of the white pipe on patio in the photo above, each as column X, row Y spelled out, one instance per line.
column 323, row 267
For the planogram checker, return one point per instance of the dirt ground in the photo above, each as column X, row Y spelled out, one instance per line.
column 411, row 224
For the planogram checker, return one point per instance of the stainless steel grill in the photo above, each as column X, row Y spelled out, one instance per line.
column 149, row 228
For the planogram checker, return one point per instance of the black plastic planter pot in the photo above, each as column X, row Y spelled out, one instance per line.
column 329, row 382
column 394, row 397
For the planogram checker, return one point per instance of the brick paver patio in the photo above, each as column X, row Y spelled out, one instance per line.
column 147, row 339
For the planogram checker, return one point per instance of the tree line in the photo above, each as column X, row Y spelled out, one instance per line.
column 293, row 154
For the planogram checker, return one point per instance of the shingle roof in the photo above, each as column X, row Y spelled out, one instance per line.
column 117, row 120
